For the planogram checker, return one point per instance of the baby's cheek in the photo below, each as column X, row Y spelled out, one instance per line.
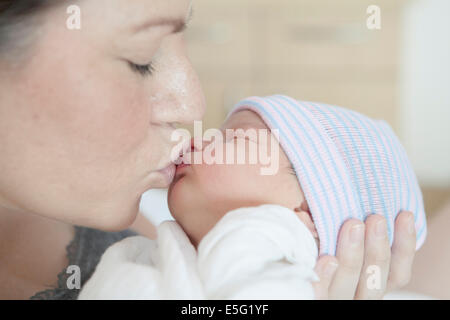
column 235, row 181
column 214, row 178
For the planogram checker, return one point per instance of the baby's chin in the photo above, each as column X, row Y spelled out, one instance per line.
column 177, row 198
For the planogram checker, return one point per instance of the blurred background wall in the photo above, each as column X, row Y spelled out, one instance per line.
column 424, row 91
column 322, row 50
column 318, row 50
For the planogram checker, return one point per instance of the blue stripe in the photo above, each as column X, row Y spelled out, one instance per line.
column 406, row 174
column 411, row 181
column 419, row 234
column 417, row 193
column 356, row 195
column 313, row 144
column 337, row 115
column 407, row 171
column 397, row 166
column 386, row 211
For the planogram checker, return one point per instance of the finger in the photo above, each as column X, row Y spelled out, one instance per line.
column 377, row 257
column 350, row 255
column 325, row 268
column 403, row 251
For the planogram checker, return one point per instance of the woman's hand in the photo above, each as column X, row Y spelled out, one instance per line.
column 361, row 245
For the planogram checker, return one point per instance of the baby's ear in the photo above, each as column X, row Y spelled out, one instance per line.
column 306, row 218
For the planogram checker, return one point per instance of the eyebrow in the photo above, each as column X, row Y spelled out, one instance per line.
column 179, row 24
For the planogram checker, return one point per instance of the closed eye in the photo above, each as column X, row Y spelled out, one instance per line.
column 236, row 136
column 142, row 69
column 245, row 138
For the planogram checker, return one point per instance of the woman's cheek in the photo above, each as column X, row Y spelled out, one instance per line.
column 127, row 121
column 123, row 110
column 115, row 120
column 109, row 105
column 91, row 102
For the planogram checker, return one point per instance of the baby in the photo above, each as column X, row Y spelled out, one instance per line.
column 243, row 235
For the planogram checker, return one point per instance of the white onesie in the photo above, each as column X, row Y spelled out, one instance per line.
column 263, row 252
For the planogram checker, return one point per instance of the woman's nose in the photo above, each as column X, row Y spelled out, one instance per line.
column 177, row 95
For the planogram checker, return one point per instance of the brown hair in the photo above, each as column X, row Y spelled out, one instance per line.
column 15, row 17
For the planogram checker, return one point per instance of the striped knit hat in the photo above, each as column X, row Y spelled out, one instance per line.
column 348, row 166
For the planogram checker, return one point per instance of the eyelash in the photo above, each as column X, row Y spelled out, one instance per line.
column 143, row 70
column 292, row 170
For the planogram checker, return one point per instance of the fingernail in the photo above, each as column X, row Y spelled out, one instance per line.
column 411, row 225
column 330, row 268
column 357, row 233
column 381, row 229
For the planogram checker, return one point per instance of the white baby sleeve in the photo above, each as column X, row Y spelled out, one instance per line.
column 140, row 268
column 263, row 252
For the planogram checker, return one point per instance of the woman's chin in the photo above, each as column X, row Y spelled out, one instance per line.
column 116, row 217
column 158, row 180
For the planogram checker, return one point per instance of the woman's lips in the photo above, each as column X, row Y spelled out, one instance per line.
column 179, row 171
column 168, row 172
column 182, row 165
column 180, row 168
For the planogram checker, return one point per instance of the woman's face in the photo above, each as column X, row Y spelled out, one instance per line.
column 85, row 124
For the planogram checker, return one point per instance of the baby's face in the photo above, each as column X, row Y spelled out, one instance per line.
column 201, row 194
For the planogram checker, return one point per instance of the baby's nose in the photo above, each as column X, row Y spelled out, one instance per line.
column 198, row 144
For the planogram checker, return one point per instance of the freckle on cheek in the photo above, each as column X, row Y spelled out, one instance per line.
column 35, row 117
